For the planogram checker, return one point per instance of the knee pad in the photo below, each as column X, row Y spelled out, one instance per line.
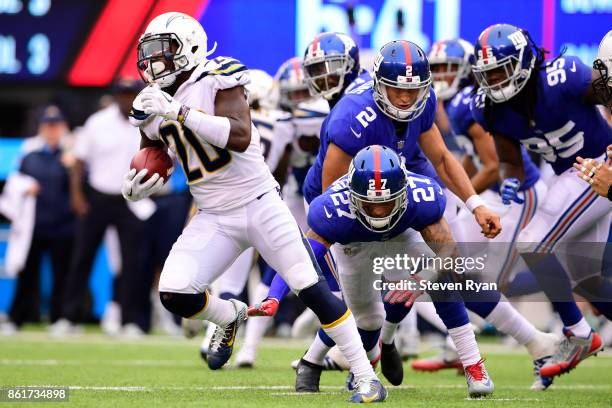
column 184, row 304
column 179, row 273
column 322, row 302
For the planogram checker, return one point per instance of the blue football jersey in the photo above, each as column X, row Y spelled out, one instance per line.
column 461, row 119
column 565, row 127
column 357, row 122
column 363, row 78
column 331, row 216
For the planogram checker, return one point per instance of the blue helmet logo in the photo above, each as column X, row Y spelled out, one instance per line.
column 402, row 70
column 377, row 187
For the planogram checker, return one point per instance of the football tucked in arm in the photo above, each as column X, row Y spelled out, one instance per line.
column 155, row 160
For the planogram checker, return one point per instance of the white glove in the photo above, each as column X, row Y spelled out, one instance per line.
column 157, row 102
column 137, row 116
column 132, row 188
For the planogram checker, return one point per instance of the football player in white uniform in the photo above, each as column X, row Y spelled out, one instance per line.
column 598, row 174
column 202, row 114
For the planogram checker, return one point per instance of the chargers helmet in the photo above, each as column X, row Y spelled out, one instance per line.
column 259, row 89
column 331, row 62
column 376, row 176
column 449, row 61
column 505, row 48
column 172, row 43
column 602, row 86
column 401, row 64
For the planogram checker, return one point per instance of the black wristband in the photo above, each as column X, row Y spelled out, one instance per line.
column 610, row 192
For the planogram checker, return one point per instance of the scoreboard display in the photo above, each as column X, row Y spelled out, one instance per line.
column 40, row 38
column 92, row 42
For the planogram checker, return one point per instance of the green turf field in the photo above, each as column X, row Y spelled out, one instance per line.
column 166, row 372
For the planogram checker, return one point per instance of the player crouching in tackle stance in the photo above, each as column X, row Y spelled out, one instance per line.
column 202, row 114
column 372, row 211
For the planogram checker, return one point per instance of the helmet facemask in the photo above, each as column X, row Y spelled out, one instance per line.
column 448, row 77
column 602, row 86
column 161, row 58
column 361, row 206
column 402, row 115
column 291, row 95
column 325, row 75
column 509, row 68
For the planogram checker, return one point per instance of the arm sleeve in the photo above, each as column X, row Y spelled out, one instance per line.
column 430, row 212
column 345, row 131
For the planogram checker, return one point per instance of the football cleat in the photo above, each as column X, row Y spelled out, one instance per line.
column 447, row 358
column 540, row 383
column 478, row 380
column 368, row 390
column 222, row 342
column 307, row 376
column 572, row 351
column 246, row 357
column 350, row 381
column 391, row 364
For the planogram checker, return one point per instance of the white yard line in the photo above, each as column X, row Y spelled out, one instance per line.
column 331, row 388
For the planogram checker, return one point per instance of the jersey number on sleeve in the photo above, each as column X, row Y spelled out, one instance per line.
column 365, row 117
column 184, row 139
column 421, row 193
column 555, row 73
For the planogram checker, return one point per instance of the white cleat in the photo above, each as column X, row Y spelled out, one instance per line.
column 132, row 331
column 111, row 320
column 246, row 357
column 478, row 381
column 63, row 328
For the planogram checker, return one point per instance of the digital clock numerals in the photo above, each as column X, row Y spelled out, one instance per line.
column 38, row 50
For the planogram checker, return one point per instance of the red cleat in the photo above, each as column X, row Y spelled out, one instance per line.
column 572, row 351
column 448, row 358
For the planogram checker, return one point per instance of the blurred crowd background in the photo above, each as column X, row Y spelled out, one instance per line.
column 68, row 77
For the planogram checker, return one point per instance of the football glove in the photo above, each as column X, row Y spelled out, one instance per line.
column 405, row 296
column 133, row 189
column 157, row 102
column 268, row 307
column 509, row 191
column 137, row 116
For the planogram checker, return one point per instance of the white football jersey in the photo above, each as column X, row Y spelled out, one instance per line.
column 273, row 142
column 307, row 119
column 219, row 179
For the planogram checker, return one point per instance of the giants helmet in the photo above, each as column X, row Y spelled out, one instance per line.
column 506, row 48
column 376, row 176
column 331, row 62
column 401, row 64
column 449, row 61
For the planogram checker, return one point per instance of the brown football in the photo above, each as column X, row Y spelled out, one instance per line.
column 154, row 159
